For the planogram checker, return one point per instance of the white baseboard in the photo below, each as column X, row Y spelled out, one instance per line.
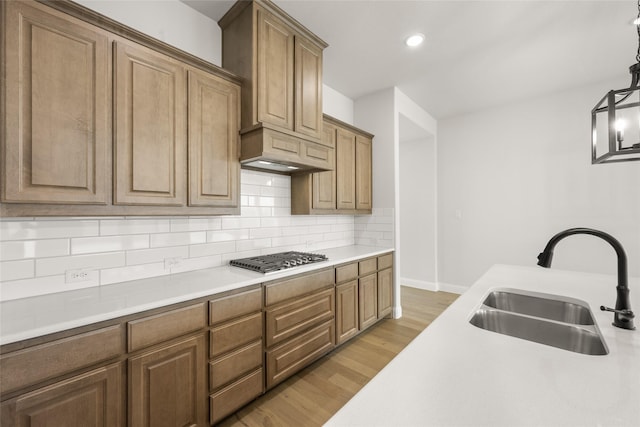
column 420, row 284
column 454, row 289
column 431, row 286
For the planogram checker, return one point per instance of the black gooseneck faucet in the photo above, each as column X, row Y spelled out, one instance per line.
column 623, row 317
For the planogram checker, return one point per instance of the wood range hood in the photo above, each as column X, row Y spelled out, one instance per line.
column 280, row 63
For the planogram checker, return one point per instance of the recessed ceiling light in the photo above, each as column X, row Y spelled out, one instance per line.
column 414, row 40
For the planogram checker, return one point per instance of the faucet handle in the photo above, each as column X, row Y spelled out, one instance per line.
column 627, row 313
column 622, row 319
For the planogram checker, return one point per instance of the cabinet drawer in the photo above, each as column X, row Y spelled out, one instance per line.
column 94, row 398
column 231, row 398
column 288, row 320
column 385, row 261
column 346, row 272
column 367, row 266
column 232, row 366
column 164, row 326
column 227, row 308
column 35, row 364
column 276, row 292
column 235, row 334
column 295, row 354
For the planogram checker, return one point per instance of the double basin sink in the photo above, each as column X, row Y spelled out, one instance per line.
column 553, row 320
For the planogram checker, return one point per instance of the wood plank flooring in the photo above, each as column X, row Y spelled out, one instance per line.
column 313, row 395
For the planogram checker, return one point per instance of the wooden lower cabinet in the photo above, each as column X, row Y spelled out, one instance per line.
column 167, row 385
column 94, row 398
column 226, row 401
column 346, row 311
column 236, row 352
column 385, row 292
column 368, row 300
column 290, row 357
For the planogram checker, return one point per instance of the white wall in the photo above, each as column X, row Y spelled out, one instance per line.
column 170, row 21
column 418, row 207
column 513, row 176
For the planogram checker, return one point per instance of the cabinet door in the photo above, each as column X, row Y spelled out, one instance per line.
column 214, row 122
column 150, row 115
column 57, row 108
column 308, row 88
column 363, row 173
column 91, row 399
column 324, row 183
column 275, row 71
column 346, row 311
column 385, row 292
column 345, row 169
column 167, row 386
column 368, row 300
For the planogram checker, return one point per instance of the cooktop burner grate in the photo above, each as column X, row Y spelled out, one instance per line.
column 276, row 262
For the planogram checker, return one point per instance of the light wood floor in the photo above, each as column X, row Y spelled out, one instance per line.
column 313, row 395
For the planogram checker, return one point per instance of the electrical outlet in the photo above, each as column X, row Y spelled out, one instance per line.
column 174, row 262
column 79, row 275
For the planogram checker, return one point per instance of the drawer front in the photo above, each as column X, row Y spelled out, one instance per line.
column 231, row 398
column 283, row 290
column 164, row 326
column 385, row 261
column 346, row 272
column 288, row 320
column 235, row 334
column 230, row 307
column 289, row 358
column 35, row 364
column 234, row 365
column 367, row 266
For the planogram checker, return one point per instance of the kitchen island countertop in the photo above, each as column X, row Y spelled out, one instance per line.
column 37, row 316
column 455, row 374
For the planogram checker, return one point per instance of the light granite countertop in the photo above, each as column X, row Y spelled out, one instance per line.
column 456, row 374
column 37, row 316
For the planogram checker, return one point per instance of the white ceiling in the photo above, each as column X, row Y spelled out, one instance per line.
column 477, row 53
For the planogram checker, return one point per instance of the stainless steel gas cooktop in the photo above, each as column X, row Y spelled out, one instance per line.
column 276, row 262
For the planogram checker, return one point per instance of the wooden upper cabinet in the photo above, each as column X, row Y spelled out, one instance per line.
column 150, row 128
column 57, row 116
column 363, row 173
column 275, row 71
column 214, row 120
column 324, row 183
column 348, row 188
column 308, row 88
column 346, row 169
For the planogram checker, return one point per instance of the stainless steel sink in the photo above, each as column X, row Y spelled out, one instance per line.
column 553, row 320
column 554, row 307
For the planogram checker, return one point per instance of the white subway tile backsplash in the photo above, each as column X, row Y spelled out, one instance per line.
column 178, row 239
column 15, row 250
column 15, row 289
column 84, row 245
column 110, row 227
column 47, row 229
column 148, row 256
column 212, row 249
column 239, row 222
column 134, row 272
column 35, row 252
column 14, row 270
column 245, row 245
column 59, row 265
column 196, row 224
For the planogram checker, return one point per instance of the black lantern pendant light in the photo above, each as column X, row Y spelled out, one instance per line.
column 615, row 120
